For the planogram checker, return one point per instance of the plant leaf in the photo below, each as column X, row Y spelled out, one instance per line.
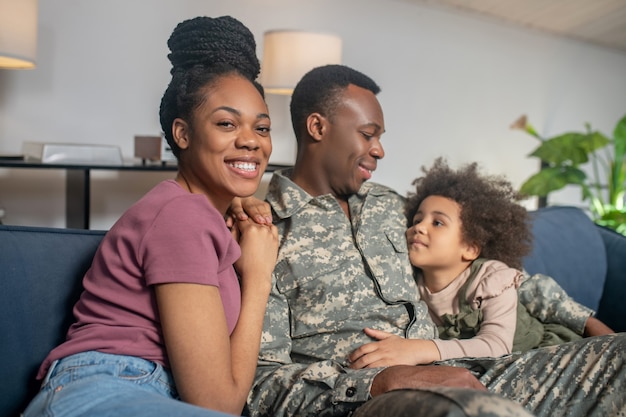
column 619, row 136
column 618, row 170
column 614, row 219
column 552, row 179
column 594, row 141
column 573, row 146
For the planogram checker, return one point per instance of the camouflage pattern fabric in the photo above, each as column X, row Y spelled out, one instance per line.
column 547, row 301
column 583, row 378
column 334, row 277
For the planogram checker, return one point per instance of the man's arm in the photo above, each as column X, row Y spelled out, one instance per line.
column 284, row 388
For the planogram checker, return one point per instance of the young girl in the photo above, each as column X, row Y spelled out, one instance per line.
column 170, row 319
column 467, row 237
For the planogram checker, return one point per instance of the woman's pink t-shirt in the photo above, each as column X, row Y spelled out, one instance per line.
column 168, row 236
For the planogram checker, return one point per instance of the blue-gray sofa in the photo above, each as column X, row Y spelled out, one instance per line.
column 41, row 271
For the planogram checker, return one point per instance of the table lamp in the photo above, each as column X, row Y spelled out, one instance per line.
column 289, row 54
column 18, row 34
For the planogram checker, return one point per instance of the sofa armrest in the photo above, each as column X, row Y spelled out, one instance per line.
column 40, row 279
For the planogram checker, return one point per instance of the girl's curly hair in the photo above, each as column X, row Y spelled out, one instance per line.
column 491, row 216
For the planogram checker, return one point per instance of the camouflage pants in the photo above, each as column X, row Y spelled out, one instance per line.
column 583, row 378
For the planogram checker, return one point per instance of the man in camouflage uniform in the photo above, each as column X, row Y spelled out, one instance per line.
column 343, row 265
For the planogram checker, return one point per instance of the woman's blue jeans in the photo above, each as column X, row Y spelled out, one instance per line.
column 104, row 385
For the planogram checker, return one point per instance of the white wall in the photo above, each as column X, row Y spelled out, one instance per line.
column 452, row 84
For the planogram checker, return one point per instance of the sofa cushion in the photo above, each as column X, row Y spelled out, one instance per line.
column 568, row 247
column 40, row 274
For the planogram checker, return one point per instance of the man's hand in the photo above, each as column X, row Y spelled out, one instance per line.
column 423, row 376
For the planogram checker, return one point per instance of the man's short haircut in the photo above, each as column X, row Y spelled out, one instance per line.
column 320, row 91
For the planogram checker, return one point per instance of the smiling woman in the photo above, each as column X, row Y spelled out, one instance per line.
column 223, row 150
column 163, row 317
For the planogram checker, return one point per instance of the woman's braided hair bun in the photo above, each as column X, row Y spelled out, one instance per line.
column 210, row 41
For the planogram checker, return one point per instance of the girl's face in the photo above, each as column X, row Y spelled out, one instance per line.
column 226, row 148
column 435, row 240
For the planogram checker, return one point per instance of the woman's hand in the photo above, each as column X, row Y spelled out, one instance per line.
column 250, row 207
column 259, row 249
column 393, row 350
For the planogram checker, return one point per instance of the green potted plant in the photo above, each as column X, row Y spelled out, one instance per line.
column 562, row 157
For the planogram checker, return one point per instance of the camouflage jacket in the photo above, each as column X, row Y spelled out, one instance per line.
column 333, row 277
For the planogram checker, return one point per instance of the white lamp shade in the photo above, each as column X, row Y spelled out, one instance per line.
column 288, row 55
column 18, row 33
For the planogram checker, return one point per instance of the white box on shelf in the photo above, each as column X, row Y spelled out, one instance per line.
column 72, row 153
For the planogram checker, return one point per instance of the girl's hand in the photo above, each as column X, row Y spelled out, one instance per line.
column 393, row 350
column 259, row 249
